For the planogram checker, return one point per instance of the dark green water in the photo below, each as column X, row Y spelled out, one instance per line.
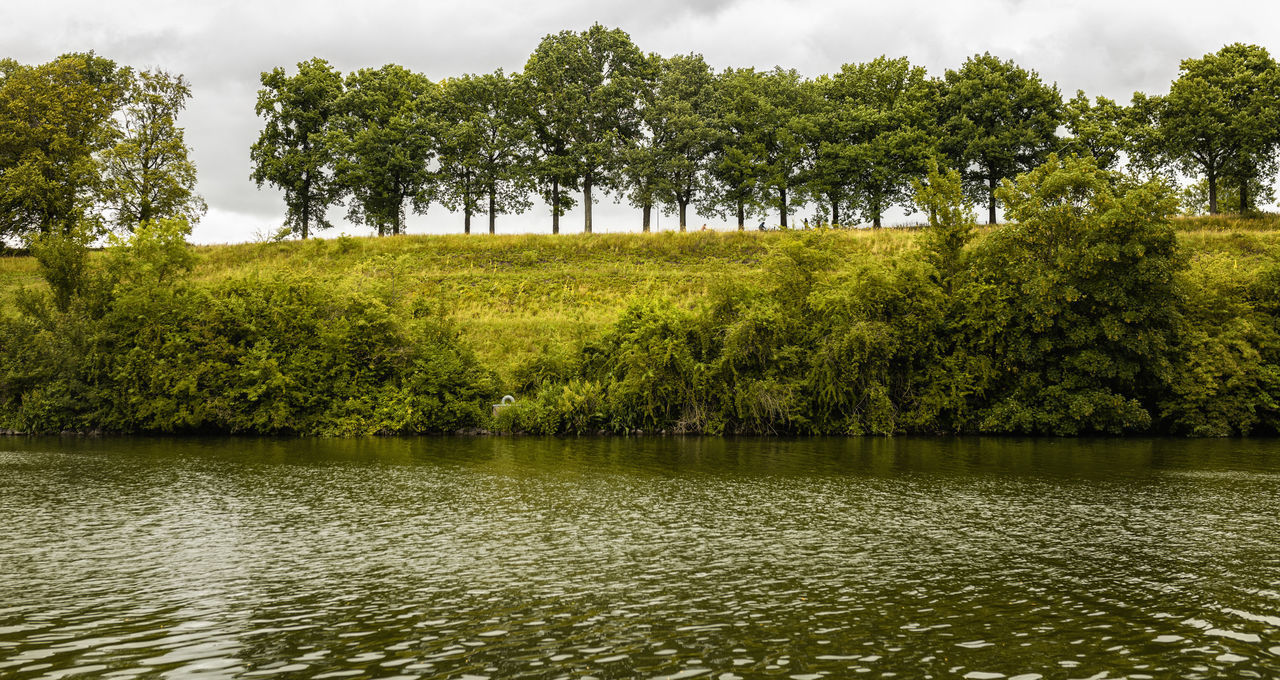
column 610, row 558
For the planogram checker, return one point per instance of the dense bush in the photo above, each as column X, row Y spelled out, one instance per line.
column 138, row 351
column 1079, row 317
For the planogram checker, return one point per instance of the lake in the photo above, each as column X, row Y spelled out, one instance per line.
column 650, row 557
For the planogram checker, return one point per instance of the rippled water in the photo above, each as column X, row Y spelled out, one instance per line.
column 610, row 558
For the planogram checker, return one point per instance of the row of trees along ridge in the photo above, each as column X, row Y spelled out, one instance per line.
column 592, row 113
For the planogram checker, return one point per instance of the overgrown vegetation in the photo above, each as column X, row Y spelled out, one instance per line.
column 136, row 346
column 1096, row 312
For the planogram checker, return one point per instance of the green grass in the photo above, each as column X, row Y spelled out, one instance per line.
column 512, row 296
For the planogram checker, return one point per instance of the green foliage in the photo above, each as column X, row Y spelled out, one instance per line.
column 951, row 222
column 293, row 151
column 736, row 168
column 155, row 254
column 1195, row 197
column 382, row 140
column 1099, row 129
column 140, row 348
column 1076, row 301
column 870, row 133
column 148, row 173
column 668, row 164
column 484, row 147
column 55, row 119
column 1226, row 376
column 584, row 93
column 64, row 259
column 1220, row 119
column 997, row 120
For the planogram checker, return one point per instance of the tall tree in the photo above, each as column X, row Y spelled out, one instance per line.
column 682, row 118
column 149, row 174
column 668, row 163
column 1221, row 118
column 292, row 152
column 484, row 146
column 584, row 89
column 998, row 120
column 784, row 101
column 870, row 135
column 738, row 155
column 383, row 142
column 55, row 119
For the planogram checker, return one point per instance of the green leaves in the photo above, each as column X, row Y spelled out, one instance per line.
column 1079, row 305
column 383, row 138
column 584, row 91
column 148, row 173
column 55, row 119
column 870, row 132
column 997, row 120
column 1221, row 119
column 484, row 143
column 293, row 152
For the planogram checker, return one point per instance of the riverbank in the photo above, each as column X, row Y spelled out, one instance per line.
column 1117, row 321
column 513, row 296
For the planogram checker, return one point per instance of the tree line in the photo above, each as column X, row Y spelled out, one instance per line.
column 88, row 145
column 591, row 113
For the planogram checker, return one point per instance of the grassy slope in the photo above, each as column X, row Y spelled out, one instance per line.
column 512, row 295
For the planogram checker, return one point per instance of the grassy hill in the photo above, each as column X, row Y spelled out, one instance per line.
column 513, row 295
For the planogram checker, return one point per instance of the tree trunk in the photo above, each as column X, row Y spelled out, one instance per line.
column 493, row 202
column 466, row 219
column 1212, row 177
column 782, row 206
column 555, row 206
column 586, row 203
column 991, row 199
column 835, row 209
column 306, row 207
column 646, row 212
column 684, row 213
column 875, row 217
column 1244, row 196
column 742, row 217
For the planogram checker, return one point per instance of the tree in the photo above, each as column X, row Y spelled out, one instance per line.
column 998, row 119
column 292, row 152
column 869, row 134
column 55, row 119
column 1221, row 118
column 148, row 173
column 737, row 158
column 671, row 164
column 784, row 100
column 484, row 146
column 584, row 89
column 941, row 196
column 639, row 158
column 1074, row 301
column 383, row 140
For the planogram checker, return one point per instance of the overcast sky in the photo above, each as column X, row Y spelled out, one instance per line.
column 1105, row 47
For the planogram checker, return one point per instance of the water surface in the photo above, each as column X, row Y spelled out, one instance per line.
column 613, row 558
